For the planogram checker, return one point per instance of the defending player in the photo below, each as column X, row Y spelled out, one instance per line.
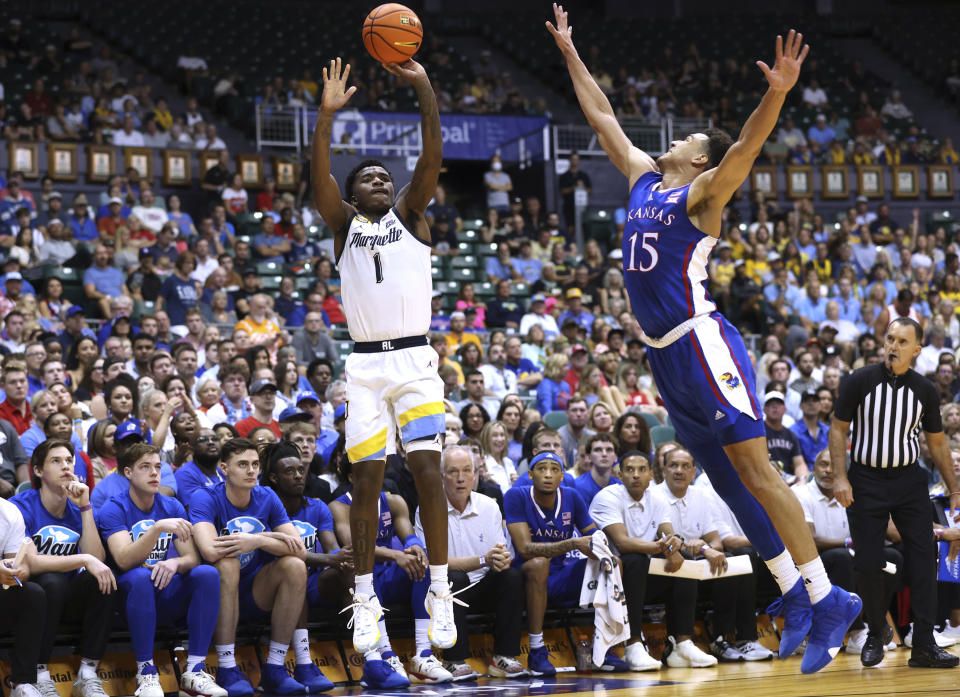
column 673, row 222
column 382, row 245
column 140, row 527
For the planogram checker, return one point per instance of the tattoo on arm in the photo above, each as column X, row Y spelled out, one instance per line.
column 360, row 548
column 548, row 549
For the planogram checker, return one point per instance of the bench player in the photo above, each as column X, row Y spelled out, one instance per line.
column 382, row 248
column 698, row 358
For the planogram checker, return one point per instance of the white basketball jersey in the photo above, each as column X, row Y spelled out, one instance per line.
column 385, row 280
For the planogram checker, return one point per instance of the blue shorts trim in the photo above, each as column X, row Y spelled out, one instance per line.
column 391, row 584
column 564, row 583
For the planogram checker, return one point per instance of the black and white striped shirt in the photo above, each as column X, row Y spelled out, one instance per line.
column 887, row 412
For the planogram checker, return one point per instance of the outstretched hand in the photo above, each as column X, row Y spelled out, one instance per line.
column 786, row 69
column 409, row 71
column 562, row 33
column 335, row 95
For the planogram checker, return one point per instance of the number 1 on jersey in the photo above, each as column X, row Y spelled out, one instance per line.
column 377, row 268
column 646, row 246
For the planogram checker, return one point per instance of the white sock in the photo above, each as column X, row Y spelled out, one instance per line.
column 140, row 665
column 88, row 668
column 815, row 578
column 193, row 662
column 277, row 653
column 226, row 657
column 364, row 584
column 438, row 578
column 383, row 645
column 301, row 646
column 536, row 641
column 42, row 672
column 372, row 656
column 421, row 638
column 783, row 570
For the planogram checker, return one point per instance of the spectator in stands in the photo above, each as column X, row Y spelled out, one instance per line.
column 820, row 135
column 527, row 373
column 60, row 519
column 782, row 443
column 553, row 392
column 526, row 264
column 209, row 140
column 503, row 311
column 457, row 336
column 498, row 380
column 601, row 453
column 179, row 292
column 812, row 433
column 84, row 229
column 102, row 281
column 270, row 247
column 263, row 396
column 948, row 154
column 568, row 183
column 575, row 310
column 313, row 341
column 869, row 124
column 813, row 95
column 790, row 135
column 498, row 186
column 537, row 316
column 279, row 586
column 439, row 208
column 108, row 226
column 476, row 394
column 215, row 178
column 150, row 211
column 128, row 136
column 501, row 266
column 153, row 137
column 235, row 196
column 913, row 155
column 894, row 108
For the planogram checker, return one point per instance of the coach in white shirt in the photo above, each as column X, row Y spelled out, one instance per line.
column 636, row 520
column 497, row 380
column 477, row 553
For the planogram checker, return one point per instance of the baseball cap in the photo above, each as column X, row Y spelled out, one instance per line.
column 831, row 350
column 74, row 310
column 144, row 252
column 574, row 293
column 307, row 395
column 13, row 276
column 128, row 429
column 293, row 414
column 538, row 298
column 546, row 456
column 774, row 394
column 54, row 221
column 516, row 199
column 54, row 194
column 808, row 396
column 773, row 256
column 615, row 254
column 438, row 294
column 724, row 245
column 576, row 348
column 80, row 200
column 862, row 199
column 457, row 315
column 259, row 386
column 340, row 412
column 115, row 199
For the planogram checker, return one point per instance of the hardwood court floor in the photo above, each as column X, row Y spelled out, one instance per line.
column 843, row 677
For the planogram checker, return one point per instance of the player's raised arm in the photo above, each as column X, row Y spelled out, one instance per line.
column 721, row 182
column 626, row 157
column 416, row 195
column 326, row 192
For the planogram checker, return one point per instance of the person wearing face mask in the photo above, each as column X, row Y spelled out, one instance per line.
column 498, row 185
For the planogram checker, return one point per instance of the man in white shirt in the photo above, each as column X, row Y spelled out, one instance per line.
column 636, row 520
column 790, row 135
column 210, row 140
column 814, row 96
column 929, row 357
column 22, row 602
column 149, row 212
column 539, row 316
column 734, row 598
column 894, row 108
column 847, row 331
column 478, row 554
column 206, row 264
column 128, row 136
column 497, row 380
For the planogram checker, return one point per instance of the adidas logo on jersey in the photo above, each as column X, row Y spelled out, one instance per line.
column 719, row 415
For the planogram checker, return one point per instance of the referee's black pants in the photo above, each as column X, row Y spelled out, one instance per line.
column 640, row 587
column 878, row 495
column 840, row 570
column 500, row 592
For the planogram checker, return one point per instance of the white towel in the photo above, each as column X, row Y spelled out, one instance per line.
column 603, row 588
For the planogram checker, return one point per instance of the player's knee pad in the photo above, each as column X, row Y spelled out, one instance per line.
column 431, row 444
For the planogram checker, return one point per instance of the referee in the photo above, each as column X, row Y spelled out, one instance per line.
column 888, row 404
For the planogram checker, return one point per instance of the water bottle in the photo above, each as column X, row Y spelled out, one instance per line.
column 584, row 650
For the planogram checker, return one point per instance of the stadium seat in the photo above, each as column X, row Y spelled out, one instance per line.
column 555, row 419
column 652, row 421
column 661, row 434
column 267, row 268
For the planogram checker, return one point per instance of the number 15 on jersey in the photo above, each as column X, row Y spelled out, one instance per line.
column 645, row 246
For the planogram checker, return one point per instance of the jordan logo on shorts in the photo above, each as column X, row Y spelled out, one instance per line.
column 719, row 415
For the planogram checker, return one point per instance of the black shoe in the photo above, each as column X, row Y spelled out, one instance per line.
column 887, row 634
column 932, row 657
column 872, row 652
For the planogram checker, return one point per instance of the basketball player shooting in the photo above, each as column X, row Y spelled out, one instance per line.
column 697, row 357
column 382, row 248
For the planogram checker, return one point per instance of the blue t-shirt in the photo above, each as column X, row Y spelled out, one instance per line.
column 34, row 436
column 59, row 537
column 264, row 513
column 115, row 484
column 109, row 280
column 179, row 296
column 524, row 481
column 190, row 478
column 522, row 369
column 85, row 231
column 385, row 530
column 588, row 488
column 299, row 314
column 307, row 250
column 183, row 221
column 568, row 515
column 313, row 518
column 270, row 241
column 121, row 514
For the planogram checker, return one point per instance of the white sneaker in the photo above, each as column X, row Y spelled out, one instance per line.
column 726, row 652
column 25, row 689
column 442, row 630
column 951, row 631
column 366, row 613
column 942, row 640
column 47, row 688
column 148, row 683
column 638, row 659
column 198, row 683
column 856, row 639
column 754, row 651
column 462, row 670
column 397, row 665
column 86, row 687
column 686, row 654
column 506, row 667
column 427, row 670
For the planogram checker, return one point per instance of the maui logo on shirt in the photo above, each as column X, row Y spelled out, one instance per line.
column 246, row 524
column 56, row 540
column 160, row 547
column 308, row 533
column 731, row 381
column 358, row 239
column 651, row 213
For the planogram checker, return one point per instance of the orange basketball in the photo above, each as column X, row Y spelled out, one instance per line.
column 392, row 33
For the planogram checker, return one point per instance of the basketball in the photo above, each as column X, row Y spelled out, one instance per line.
column 392, row 33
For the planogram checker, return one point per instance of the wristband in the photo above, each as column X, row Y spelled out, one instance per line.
column 411, row 541
column 938, row 533
column 483, row 562
column 84, row 509
column 703, row 550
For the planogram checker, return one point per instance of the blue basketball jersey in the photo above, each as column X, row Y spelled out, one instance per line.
column 665, row 257
column 59, row 537
column 568, row 514
column 121, row 514
column 313, row 518
column 264, row 513
column 385, row 530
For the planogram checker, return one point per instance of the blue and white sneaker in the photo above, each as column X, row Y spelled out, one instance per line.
column 797, row 613
column 276, row 680
column 612, row 663
column 538, row 663
column 234, row 681
column 832, row 616
column 311, row 677
column 380, row 675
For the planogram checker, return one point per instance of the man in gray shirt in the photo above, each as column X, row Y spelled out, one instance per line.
column 574, row 430
column 313, row 341
column 59, row 247
column 12, row 458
